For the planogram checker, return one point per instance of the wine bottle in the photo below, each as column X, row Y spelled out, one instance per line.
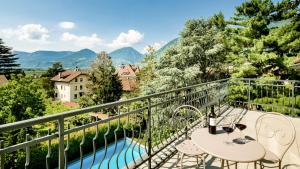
column 212, row 121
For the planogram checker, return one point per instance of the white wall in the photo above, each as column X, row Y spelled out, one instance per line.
column 73, row 85
column 68, row 91
column 62, row 89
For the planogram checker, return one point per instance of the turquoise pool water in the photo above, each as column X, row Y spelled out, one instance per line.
column 113, row 163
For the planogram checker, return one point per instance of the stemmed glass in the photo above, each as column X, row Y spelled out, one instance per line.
column 242, row 139
column 228, row 129
column 241, row 127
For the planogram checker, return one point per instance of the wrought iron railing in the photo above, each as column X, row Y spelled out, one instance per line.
column 267, row 95
column 135, row 130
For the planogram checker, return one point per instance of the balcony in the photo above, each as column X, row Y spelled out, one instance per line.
column 141, row 132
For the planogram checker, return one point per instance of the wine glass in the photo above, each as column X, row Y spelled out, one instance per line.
column 228, row 129
column 241, row 127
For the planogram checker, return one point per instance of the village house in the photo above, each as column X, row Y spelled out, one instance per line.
column 3, row 80
column 128, row 76
column 70, row 85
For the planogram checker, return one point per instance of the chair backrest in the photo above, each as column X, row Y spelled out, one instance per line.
column 185, row 117
column 275, row 132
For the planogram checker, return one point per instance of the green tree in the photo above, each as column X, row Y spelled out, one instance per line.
column 264, row 40
column 104, row 85
column 45, row 81
column 197, row 58
column 8, row 65
column 47, row 85
column 218, row 21
column 54, row 70
column 148, row 70
column 20, row 99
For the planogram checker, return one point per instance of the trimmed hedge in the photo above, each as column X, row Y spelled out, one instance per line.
column 282, row 101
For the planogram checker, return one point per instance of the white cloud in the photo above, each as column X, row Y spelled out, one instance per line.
column 155, row 45
column 82, row 41
column 67, row 25
column 32, row 32
column 32, row 37
column 127, row 39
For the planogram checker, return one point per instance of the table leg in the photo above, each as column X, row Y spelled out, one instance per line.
column 236, row 165
column 255, row 165
column 222, row 164
column 227, row 164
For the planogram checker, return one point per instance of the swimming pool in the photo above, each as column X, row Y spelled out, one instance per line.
column 110, row 149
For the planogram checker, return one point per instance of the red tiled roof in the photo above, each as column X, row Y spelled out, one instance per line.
column 127, row 75
column 71, row 104
column 128, row 70
column 3, row 80
column 100, row 116
column 128, row 84
column 67, row 75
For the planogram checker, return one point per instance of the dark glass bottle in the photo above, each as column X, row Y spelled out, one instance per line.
column 212, row 118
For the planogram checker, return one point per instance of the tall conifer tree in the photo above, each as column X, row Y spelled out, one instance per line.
column 104, row 85
column 265, row 38
column 8, row 63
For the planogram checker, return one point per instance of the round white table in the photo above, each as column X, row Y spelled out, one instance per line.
column 215, row 145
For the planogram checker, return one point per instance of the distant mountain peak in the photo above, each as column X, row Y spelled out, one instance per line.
column 125, row 49
column 86, row 49
column 170, row 44
column 126, row 55
column 70, row 59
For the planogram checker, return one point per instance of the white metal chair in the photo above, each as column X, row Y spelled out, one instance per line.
column 185, row 118
column 276, row 133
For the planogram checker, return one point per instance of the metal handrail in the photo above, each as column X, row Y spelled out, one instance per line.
column 154, row 111
column 48, row 118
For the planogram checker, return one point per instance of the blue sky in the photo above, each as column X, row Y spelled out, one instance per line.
column 31, row 25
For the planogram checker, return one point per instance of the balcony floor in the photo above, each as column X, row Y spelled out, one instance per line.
column 290, row 161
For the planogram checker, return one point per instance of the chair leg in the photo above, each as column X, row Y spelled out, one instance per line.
column 197, row 161
column 279, row 165
column 203, row 161
column 181, row 161
column 178, row 159
column 222, row 164
column 227, row 164
column 261, row 165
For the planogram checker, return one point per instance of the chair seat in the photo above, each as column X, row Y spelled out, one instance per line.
column 188, row 147
column 270, row 157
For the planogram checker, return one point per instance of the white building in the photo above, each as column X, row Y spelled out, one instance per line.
column 70, row 85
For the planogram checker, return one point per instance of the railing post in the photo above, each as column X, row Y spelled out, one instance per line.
column 249, row 96
column 219, row 100
column 185, row 96
column 293, row 98
column 2, row 157
column 61, row 148
column 206, row 109
column 27, row 150
column 149, row 133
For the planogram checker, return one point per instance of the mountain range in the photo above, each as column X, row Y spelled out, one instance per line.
column 81, row 58
column 170, row 44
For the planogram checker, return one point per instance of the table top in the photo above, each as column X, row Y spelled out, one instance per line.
column 215, row 145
